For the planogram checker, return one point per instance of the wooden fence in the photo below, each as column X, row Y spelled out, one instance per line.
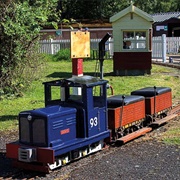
column 161, row 46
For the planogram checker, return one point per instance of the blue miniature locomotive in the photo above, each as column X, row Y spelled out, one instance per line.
column 67, row 128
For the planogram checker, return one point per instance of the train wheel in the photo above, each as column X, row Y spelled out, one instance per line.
column 126, row 131
column 163, row 115
column 131, row 129
column 149, row 120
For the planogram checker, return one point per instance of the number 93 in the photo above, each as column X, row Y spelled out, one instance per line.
column 93, row 122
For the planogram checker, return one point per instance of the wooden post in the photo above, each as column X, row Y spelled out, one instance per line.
column 77, row 67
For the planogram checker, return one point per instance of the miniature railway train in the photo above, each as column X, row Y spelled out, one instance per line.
column 72, row 126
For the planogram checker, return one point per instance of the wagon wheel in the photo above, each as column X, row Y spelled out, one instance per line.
column 126, row 131
column 138, row 126
column 162, row 115
column 120, row 133
column 132, row 129
column 149, row 120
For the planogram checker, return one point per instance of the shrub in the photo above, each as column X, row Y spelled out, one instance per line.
column 63, row 54
column 20, row 24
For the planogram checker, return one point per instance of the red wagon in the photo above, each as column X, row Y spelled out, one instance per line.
column 158, row 100
column 125, row 112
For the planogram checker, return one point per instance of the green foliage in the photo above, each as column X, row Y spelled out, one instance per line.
column 20, row 24
column 172, row 140
column 98, row 9
column 63, row 54
column 91, row 9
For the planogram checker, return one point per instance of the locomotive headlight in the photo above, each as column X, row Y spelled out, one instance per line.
column 29, row 118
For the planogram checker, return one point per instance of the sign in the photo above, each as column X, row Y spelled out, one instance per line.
column 165, row 28
column 158, row 28
column 80, row 44
column 58, row 32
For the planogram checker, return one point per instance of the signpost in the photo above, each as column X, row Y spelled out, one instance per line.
column 80, row 48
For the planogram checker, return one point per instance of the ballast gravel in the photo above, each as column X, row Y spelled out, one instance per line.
column 144, row 160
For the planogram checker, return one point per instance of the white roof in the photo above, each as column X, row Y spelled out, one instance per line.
column 131, row 9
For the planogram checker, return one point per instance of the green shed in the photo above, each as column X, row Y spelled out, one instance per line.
column 132, row 35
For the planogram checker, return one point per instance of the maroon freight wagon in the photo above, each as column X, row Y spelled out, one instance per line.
column 158, row 100
column 125, row 113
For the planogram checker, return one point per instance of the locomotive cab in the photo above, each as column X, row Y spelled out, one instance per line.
column 91, row 104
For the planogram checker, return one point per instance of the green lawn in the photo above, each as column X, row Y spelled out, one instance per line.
column 34, row 96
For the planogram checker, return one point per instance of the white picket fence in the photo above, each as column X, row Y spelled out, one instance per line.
column 161, row 46
column 51, row 46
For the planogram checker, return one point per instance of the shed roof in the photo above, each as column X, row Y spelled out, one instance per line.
column 160, row 17
column 130, row 9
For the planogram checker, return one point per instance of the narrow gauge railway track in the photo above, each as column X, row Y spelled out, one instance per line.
column 176, row 110
column 21, row 174
column 13, row 173
column 172, row 65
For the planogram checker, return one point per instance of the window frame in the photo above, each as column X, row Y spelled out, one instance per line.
column 134, row 40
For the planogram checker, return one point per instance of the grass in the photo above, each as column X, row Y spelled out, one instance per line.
column 34, row 96
column 172, row 135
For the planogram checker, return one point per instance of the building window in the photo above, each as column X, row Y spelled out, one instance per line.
column 134, row 39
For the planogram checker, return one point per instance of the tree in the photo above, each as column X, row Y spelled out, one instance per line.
column 20, row 25
column 80, row 9
column 90, row 9
column 174, row 5
column 148, row 6
column 104, row 9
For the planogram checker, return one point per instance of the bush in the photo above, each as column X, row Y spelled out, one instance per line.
column 63, row 54
column 21, row 77
column 20, row 24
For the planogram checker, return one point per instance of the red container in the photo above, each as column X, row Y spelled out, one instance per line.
column 126, row 115
column 158, row 103
column 157, row 99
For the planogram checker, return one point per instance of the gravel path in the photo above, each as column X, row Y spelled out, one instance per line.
column 145, row 158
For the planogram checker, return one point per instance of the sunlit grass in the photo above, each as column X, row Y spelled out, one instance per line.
column 172, row 136
column 172, row 140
